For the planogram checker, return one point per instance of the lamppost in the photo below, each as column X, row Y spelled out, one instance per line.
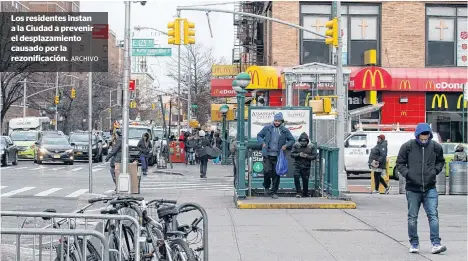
column 224, row 110
column 242, row 80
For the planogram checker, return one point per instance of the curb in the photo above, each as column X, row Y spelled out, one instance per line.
column 341, row 205
column 169, row 172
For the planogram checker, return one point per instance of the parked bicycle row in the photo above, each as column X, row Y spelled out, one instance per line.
column 128, row 228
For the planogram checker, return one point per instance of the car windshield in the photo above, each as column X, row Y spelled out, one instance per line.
column 80, row 138
column 136, row 133
column 24, row 136
column 158, row 133
column 55, row 141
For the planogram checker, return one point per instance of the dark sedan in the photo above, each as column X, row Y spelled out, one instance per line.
column 81, row 141
column 9, row 151
column 54, row 149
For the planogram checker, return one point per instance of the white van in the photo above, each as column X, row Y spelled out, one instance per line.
column 359, row 144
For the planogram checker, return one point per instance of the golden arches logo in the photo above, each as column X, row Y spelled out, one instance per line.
column 252, row 77
column 403, row 113
column 459, row 102
column 430, row 85
column 440, row 98
column 269, row 82
column 405, row 84
column 373, row 75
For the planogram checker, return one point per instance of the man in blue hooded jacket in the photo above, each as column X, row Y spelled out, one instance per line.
column 419, row 161
column 274, row 137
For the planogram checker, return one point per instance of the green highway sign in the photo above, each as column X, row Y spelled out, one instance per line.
column 142, row 43
column 152, row 52
column 194, row 106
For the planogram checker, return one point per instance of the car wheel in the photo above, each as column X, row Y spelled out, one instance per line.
column 5, row 162
column 395, row 174
column 16, row 159
column 71, row 162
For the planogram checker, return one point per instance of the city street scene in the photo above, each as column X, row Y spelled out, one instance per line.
column 233, row 130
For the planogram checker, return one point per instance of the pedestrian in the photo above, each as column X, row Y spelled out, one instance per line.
column 460, row 154
column 202, row 151
column 115, row 155
column 303, row 154
column 378, row 163
column 274, row 137
column 190, row 145
column 232, row 149
column 145, row 147
column 419, row 161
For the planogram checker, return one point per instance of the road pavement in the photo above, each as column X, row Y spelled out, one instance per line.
column 376, row 230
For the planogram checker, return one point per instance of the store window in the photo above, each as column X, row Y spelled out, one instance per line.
column 450, row 126
column 446, row 36
column 360, row 29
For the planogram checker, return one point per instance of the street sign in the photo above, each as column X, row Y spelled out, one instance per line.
column 131, row 85
column 100, row 31
column 152, row 52
column 194, row 106
column 143, row 43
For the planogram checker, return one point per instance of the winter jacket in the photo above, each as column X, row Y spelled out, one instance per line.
column 460, row 154
column 420, row 163
column 310, row 150
column 201, row 147
column 379, row 153
column 145, row 149
column 233, row 147
column 189, row 144
column 217, row 142
column 116, row 151
column 264, row 137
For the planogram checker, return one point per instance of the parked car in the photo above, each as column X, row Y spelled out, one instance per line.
column 54, row 148
column 9, row 151
column 81, row 141
column 24, row 140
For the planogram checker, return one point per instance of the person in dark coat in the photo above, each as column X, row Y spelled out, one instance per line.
column 190, row 145
column 378, row 163
column 203, row 144
column 274, row 137
column 115, row 155
column 303, row 154
column 460, row 154
column 145, row 147
column 419, row 161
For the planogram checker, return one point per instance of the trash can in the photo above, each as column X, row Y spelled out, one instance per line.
column 401, row 183
column 441, row 182
column 458, row 178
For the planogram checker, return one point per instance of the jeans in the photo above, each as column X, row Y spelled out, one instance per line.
column 302, row 173
column 203, row 165
column 112, row 172
column 144, row 163
column 270, row 175
column 430, row 201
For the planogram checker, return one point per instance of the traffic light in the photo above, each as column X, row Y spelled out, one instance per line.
column 133, row 104
column 131, row 85
column 57, row 99
column 332, row 32
column 174, row 32
column 153, row 106
column 189, row 32
column 73, row 93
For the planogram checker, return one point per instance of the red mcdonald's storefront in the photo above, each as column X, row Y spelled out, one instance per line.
column 414, row 95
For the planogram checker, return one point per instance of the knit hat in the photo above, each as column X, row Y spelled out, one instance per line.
column 278, row 117
column 201, row 133
column 381, row 136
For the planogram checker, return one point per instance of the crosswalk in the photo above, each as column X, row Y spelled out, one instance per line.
column 6, row 192
column 158, row 182
column 74, row 168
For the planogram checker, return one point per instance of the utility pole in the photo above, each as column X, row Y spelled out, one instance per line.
column 340, row 92
column 189, row 103
column 126, row 80
column 178, row 83
column 24, row 97
column 110, row 109
column 56, row 104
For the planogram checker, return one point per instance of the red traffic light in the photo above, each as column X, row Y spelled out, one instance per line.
column 131, row 85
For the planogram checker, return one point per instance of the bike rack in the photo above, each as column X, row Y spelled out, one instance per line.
column 54, row 232
column 135, row 222
column 205, row 225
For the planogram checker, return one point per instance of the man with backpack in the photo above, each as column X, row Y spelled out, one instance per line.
column 303, row 154
column 419, row 161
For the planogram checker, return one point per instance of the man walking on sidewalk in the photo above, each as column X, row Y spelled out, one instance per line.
column 274, row 137
column 420, row 161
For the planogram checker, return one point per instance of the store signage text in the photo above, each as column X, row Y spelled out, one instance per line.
column 431, row 85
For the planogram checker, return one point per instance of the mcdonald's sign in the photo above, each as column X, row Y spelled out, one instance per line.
column 405, row 84
column 440, row 99
column 373, row 78
column 459, row 102
column 430, row 85
column 263, row 78
column 403, row 113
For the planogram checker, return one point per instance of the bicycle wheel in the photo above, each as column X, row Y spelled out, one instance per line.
column 181, row 251
column 91, row 253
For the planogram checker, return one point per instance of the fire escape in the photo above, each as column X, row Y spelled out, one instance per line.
column 249, row 35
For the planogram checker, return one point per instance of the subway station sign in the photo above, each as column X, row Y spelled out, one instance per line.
column 448, row 101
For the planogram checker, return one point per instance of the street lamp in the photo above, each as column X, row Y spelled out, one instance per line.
column 241, row 81
column 224, row 110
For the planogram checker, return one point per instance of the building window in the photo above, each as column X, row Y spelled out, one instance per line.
column 360, row 29
column 446, row 35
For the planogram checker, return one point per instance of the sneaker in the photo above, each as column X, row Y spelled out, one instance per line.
column 298, row 196
column 375, row 192
column 438, row 248
column 414, row 249
column 274, row 196
column 387, row 190
column 266, row 192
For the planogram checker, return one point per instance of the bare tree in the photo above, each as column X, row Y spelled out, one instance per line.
column 202, row 60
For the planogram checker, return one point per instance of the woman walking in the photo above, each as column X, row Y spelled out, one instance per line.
column 377, row 162
column 115, row 156
column 144, row 145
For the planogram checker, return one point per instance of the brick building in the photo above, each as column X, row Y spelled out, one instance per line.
column 421, row 52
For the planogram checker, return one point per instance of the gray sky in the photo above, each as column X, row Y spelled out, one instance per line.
column 157, row 14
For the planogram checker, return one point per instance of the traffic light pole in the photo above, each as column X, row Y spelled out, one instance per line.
column 126, row 80
column 189, row 87
column 56, row 104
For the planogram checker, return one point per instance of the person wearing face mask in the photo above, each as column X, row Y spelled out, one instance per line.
column 303, row 154
column 419, row 161
column 273, row 137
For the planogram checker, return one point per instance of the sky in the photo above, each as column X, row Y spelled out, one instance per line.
column 157, row 14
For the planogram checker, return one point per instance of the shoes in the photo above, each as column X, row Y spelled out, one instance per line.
column 387, row 190
column 375, row 192
column 298, row 196
column 438, row 248
column 274, row 196
column 266, row 192
column 414, row 249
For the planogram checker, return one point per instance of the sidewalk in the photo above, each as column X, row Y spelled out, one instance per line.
column 182, row 169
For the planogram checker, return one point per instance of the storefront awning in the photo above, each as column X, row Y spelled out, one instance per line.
column 408, row 79
column 264, row 78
